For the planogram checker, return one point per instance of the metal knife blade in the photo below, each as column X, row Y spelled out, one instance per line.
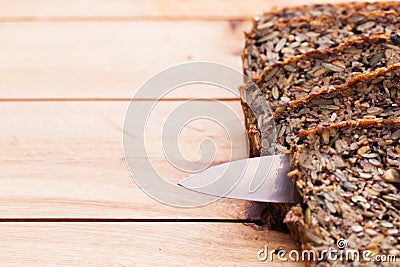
column 262, row 179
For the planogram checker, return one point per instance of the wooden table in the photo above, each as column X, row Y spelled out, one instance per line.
column 68, row 70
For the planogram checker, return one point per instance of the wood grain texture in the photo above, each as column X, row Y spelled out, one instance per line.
column 62, row 152
column 139, row 9
column 109, row 59
column 137, row 244
column 65, row 160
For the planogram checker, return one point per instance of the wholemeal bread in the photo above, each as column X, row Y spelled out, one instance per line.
column 335, row 10
column 304, row 74
column 296, row 35
column 319, row 70
column 289, row 36
column 373, row 94
column 348, row 176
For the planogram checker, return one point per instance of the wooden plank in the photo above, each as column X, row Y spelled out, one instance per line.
column 65, row 159
column 109, row 59
column 144, row 244
column 144, row 9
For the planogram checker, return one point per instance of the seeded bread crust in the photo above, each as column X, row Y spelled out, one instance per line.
column 303, row 75
column 290, row 37
column 340, row 9
column 372, row 94
column 348, row 177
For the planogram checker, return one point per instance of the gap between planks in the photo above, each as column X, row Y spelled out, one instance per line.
column 122, row 19
column 23, row 10
column 129, row 220
column 95, row 99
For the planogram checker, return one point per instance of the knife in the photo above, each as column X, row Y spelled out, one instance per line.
column 261, row 179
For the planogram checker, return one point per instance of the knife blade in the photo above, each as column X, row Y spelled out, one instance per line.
column 262, row 179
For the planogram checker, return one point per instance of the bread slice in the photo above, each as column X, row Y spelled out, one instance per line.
column 334, row 10
column 373, row 94
column 304, row 74
column 348, row 177
column 291, row 37
column 297, row 77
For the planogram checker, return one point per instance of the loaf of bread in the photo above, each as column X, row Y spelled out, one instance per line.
column 348, row 176
column 317, row 65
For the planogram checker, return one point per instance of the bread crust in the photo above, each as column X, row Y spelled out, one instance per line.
column 298, row 35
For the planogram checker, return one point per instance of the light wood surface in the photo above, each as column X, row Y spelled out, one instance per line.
column 89, row 49
column 60, row 163
column 22, row 10
column 137, row 244
column 67, row 72
column 108, row 59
